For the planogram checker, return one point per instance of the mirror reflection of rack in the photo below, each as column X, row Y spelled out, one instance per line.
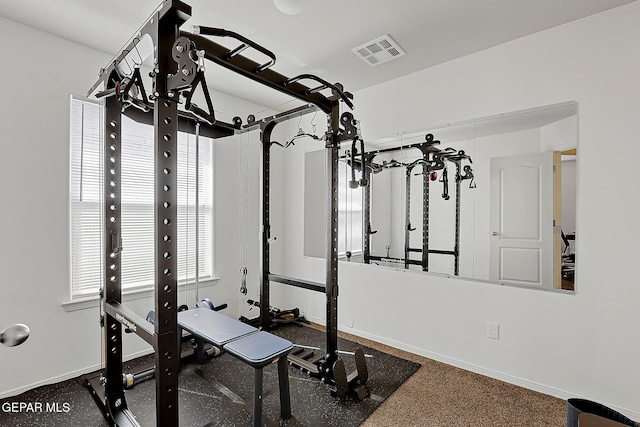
column 424, row 160
column 505, row 221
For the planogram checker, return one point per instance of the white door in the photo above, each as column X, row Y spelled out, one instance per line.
column 521, row 242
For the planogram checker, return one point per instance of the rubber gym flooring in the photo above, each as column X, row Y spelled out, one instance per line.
column 219, row 393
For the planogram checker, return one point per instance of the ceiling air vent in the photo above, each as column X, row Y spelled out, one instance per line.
column 380, row 50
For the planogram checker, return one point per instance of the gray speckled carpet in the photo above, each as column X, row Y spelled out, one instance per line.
column 219, row 393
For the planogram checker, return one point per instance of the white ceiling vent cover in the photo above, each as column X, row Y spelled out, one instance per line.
column 377, row 51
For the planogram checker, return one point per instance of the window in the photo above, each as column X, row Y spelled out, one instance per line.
column 350, row 208
column 349, row 212
column 137, row 197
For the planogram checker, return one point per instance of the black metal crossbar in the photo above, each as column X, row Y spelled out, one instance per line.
column 299, row 283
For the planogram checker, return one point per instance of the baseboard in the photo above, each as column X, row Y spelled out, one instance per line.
column 68, row 376
column 528, row 384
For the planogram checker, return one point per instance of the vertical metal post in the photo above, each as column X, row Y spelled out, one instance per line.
column 197, row 245
column 265, row 138
column 366, row 223
column 332, row 148
column 167, row 355
column 407, row 225
column 283, row 386
column 425, row 211
column 456, row 247
column 114, row 390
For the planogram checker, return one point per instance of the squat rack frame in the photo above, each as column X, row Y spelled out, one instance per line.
column 171, row 77
column 432, row 159
column 323, row 367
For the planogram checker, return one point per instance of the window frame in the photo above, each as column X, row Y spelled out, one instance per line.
column 81, row 298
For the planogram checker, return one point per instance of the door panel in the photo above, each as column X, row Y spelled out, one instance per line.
column 521, row 219
column 520, row 209
column 520, row 264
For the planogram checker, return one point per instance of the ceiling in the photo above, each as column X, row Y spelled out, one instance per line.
column 318, row 40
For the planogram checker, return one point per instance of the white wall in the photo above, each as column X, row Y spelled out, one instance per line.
column 581, row 344
column 36, row 80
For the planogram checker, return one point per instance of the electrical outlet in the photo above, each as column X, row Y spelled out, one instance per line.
column 493, row 330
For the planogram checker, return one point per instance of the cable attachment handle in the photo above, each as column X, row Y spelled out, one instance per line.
column 369, row 231
column 445, row 184
column 243, row 280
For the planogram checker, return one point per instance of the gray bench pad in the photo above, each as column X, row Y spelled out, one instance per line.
column 258, row 348
column 213, row 327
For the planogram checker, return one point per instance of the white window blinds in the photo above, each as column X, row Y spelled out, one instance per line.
column 137, row 197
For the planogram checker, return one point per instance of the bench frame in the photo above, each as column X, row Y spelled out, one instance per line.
column 225, row 333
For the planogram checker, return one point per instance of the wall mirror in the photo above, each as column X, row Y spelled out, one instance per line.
column 491, row 199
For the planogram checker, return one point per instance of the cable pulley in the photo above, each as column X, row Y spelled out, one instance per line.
column 243, row 280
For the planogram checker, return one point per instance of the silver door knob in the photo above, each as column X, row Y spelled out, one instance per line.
column 494, row 233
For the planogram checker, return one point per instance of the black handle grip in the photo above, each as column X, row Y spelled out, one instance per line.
column 369, row 231
column 220, row 32
column 201, row 114
column 324, row 85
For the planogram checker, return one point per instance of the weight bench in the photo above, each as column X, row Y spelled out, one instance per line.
column 256, row 348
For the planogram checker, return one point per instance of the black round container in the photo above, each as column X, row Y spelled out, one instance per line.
column 576, row 406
